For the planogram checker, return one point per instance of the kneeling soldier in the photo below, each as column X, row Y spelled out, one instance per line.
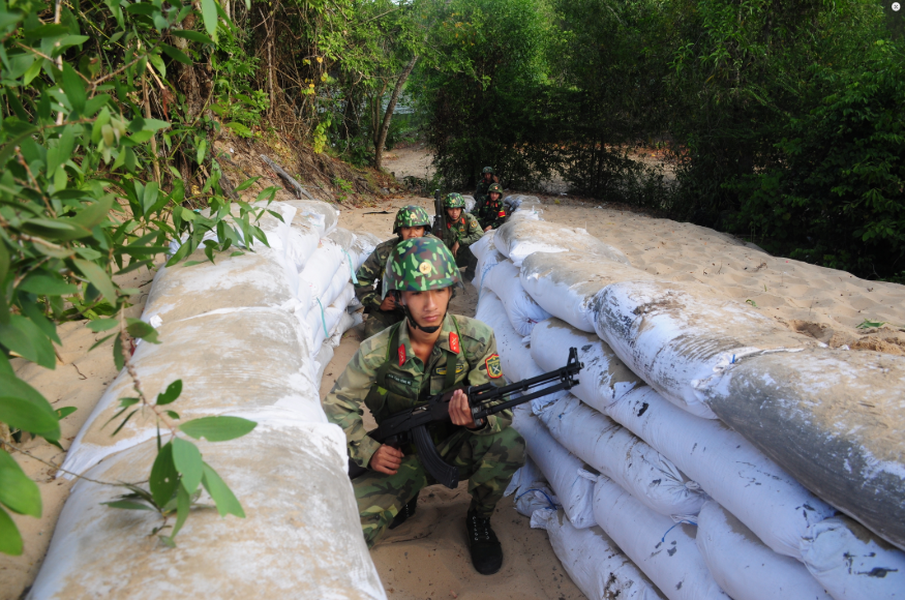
column 430, row 352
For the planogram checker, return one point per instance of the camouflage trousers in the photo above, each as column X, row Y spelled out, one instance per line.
column 486, row 461
column 466, row 258
column 378, row 320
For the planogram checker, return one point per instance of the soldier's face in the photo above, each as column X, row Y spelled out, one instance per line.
column 427, row 308
column 454, row 213
column 488, row 176
column 410, row 233
column 494, row 196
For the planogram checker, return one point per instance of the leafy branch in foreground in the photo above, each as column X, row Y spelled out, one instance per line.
column 82, row 200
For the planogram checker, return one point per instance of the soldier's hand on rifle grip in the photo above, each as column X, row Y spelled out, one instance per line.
column 386, row 460
column 460, row 410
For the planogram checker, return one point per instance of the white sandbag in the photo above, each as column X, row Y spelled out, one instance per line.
column 853, row 564
column 530, row 489
column 252, row 362
column 664, row 550
column 488, row 260
column 565, row 283
column 675, row 335
column 517, row 239
column 321, row 322
column 358, row 246
column 484, row 244
column 515, row 357
column 560, row 468
column 469, row 202
column 593, row 561
column 301, row 536
column 518, row 200
column 319, row 272
column 604, row 378
column 320, row 215
column 321, row 360
column 303, row 240
column 615, row 452
column 250, row 279
column 337, row 286
column 523, row 312
column 736, row 474
column 834, row 419
column 744, row 567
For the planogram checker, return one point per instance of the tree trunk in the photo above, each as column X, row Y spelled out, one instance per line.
column 388, row 115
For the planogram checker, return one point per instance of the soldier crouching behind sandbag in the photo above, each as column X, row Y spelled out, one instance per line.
column 462, row 230
column 429, row 353
column 411, row 222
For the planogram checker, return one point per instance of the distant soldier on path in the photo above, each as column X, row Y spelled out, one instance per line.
column 492, row 213
column 488, row 178
column 411, row 222
column 462, row 230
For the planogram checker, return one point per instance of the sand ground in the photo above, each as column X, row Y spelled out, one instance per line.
column 427, row 557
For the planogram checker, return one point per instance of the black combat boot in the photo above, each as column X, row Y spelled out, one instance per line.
column 486, row 552
column 407, row 511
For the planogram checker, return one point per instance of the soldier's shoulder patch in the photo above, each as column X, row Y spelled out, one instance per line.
column 494, row 369
column 454, row 342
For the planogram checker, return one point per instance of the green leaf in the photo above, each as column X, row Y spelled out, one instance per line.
column 23, row 407
column 172, row 392
column 209, row 14
column 17, row 492
column 47, row 285
column 4, row 262
column 98, row 278
column 240, row 129
column 118, row 361
column 176, row 54
column 64, row 412
column 183, row 506
column 123, row 424
column 194, row 36
column 128, row 505
column 74, row 87
column 23, row 337
column 217, row 429
column 149, row 197
column 164, row 476
column 226, row 501
column 99, row 325
column 10, row 539
column 95, row 213
column 187, row 459
column 60, row 229
column 139, row 329
column 246, row 184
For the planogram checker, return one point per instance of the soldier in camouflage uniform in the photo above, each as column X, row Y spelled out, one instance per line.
column 399, row 368
column 411, row 222
column 493, row 213
column 481, row 192
column 462, row 230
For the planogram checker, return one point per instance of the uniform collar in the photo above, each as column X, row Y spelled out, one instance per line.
column 448, row 341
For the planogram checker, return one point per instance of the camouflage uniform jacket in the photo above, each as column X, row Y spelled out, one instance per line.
column 480, row 193
column 370, row 274
column 466, row 231
column 493, row 213
column 406, row 381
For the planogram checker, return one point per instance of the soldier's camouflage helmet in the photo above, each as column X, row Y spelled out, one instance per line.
column 412, row 216
column 487, row 170
column 418, row 265
column 495, row 187
column 454, row 200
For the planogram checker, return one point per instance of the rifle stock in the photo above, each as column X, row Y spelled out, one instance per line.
column 412, row 425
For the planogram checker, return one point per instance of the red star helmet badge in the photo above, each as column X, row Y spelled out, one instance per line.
column 453, row 342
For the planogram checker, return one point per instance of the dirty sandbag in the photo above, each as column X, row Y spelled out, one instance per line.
column 728, row 467
column 614, row 451
column 561, row 469
column 517, row 239
column 249, row 279
column 747, row 569
column 318, row 273
column 253, row 362
column 530, row 490
column 320, row 215
column 593, row 560
column 852, row 563
column 301, row 537
column 566, row 283
column 675, row 335
column 663, row 549
column 604, row 378
column 834, row 419
column 516, row 201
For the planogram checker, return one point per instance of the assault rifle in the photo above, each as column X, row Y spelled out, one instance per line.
column 439, row 227
column 411, row 425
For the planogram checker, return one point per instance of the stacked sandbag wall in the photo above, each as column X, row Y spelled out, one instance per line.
column 249, row 336
column 716, row 451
